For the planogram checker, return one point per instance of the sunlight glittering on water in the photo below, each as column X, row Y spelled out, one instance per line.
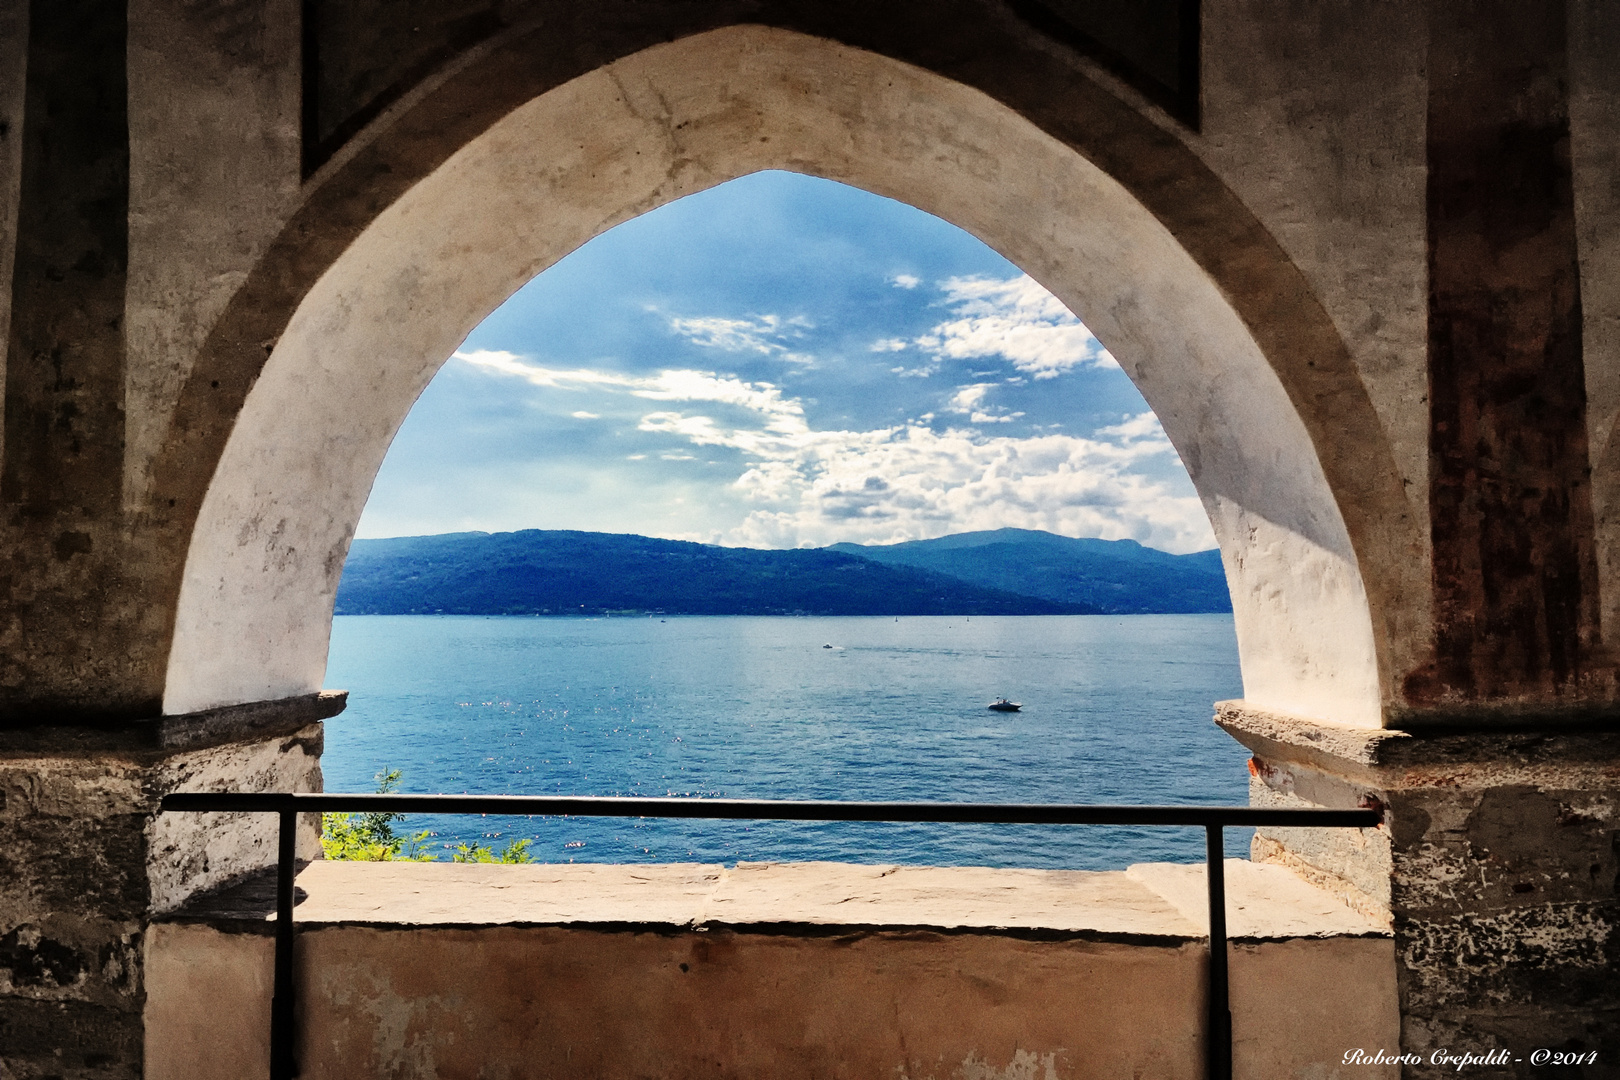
column 1116, row 710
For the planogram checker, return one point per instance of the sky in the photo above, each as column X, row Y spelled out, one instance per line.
column 783, row 361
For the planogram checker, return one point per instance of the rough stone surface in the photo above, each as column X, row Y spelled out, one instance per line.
column 188, row 731
column 61, row 526
column 1354, row 227
column 86, row 860
column 1497, row 867
column 1263, row 902
column 1151, row 900
column 1594, row 117
column 214, row 146
column 1517, row 604
column 13, row 88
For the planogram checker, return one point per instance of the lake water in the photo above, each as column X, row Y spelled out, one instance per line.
column 1116, row 710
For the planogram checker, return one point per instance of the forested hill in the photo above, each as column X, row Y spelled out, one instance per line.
column 561, row 573
column 537, row 572
column 1116, row 576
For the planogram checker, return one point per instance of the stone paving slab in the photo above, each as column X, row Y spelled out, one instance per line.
column 944, row 897
column 1263, row 901
column 1149, row 900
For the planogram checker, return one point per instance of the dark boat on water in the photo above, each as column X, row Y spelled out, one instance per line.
column 1003, row 705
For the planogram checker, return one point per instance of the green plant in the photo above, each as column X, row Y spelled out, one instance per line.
column 517, row 851
column 370, row 837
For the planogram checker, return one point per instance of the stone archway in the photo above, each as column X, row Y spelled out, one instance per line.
column 1254, row 396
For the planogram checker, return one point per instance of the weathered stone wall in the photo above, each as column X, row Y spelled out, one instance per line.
column 13, row 79
column 1314, row 116
column 1594, row 119
column 86, row 861
column 214, row 173
column 1498, row 867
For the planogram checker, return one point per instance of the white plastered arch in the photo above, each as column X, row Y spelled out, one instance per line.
column 254, row 614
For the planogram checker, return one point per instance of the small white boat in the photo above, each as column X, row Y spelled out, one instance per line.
column 1003, row 705
column 826, row 646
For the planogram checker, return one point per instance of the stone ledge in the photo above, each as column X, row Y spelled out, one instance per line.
column 1384, row 758
column 1155, row 903
column 178, row 733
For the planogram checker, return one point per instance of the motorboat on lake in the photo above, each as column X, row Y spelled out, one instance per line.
column 1003, row 705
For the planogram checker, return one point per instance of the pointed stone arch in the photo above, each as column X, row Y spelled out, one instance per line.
column 408, row 241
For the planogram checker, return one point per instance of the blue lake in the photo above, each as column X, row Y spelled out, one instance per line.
column 1116, row 710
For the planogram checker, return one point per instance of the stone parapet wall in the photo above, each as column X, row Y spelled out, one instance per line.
column 769, row 970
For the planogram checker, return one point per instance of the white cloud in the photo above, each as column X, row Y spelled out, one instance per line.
column 506, row 363
column 969, row 401
column 905, row 281
column 1017, row 320
column 892, row 344
column 802, row 487
column 581, row 414
column 1140, row 429
column 911, row 482
column 969, row 398
column 766, row 335
column 674, row 384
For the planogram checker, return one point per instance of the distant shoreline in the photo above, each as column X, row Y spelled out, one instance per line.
column 564, row 572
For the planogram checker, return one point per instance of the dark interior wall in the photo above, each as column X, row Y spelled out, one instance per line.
column 64, row 414
column 1515, row 571
column 60, row 485
column 1152, row 44
column 362, row 55
column 13, row 77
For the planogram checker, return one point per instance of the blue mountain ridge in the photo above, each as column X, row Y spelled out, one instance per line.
column 1113, row 576
column 558, row 572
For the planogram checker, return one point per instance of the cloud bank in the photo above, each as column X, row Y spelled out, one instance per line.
column 1014, row 319
column 806, row 487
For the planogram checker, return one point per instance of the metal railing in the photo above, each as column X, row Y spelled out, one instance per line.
column 1212, row 819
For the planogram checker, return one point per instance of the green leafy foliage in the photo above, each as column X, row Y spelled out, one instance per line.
column 515, row 852
column 371, row 837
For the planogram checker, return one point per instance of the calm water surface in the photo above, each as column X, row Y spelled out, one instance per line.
column 1116, row 710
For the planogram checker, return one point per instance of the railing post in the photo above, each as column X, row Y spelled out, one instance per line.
column 283, row 1066
column 1218, row 1045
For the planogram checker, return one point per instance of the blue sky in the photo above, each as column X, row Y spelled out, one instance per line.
column 783, row 361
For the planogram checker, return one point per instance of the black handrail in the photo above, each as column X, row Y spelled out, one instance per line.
column 1212, row 819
